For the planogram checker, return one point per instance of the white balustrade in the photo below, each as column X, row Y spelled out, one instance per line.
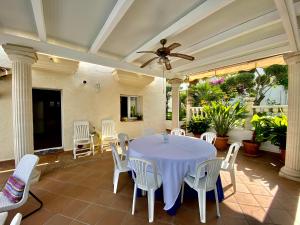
column 269, row 108
column 196, row 111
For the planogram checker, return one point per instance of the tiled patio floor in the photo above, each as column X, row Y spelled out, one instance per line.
column 83, row 195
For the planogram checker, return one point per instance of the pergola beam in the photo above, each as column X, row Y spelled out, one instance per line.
column 114, row 18
column 38, row 12
column 287, row 13
column 69, row 53
column 239, row 51
column 235, row 32
column 240, row 59
column 201, row 12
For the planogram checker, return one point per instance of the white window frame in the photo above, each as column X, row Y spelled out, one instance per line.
column 138, row 101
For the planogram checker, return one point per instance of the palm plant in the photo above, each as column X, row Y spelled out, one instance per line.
column 225, row 116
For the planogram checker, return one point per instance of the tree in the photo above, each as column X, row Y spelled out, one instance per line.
column 270, row 77
column 255, row 83
column 241, row 83
column 205, row 92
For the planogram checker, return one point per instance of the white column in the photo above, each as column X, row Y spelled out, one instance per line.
column 175, row 83
column 189, row 104
column 291, row 170
column 22, row 59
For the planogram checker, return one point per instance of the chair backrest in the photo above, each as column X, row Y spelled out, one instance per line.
column 178, row 131
column 232, row 154
column 24, row 172
column 141, row 167
column 17, row 219
column 212, row 170
column 123, row 138
column 81, row 130
column 108, row 128
column 209, row 137
column 115, row 155
column 148, row 131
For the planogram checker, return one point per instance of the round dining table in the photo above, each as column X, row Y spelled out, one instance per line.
column 175, row 157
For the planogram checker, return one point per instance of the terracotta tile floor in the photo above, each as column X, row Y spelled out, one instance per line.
column 82, row 194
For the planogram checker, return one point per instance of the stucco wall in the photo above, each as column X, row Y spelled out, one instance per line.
column 84, row 102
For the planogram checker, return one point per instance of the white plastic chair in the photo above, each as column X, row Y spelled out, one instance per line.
column 108, row 133
column 146, row 181
column 178, row 131
column 15, row 221
column 82, row 140
column 3, row 217
column 228, row 163
column 23, row 172
column 148, row 131
column 205, row 183
column 120, row 166
column 123, row 139
column 209, row 137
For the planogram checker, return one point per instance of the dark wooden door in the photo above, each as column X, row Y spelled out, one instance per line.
column 46, row 118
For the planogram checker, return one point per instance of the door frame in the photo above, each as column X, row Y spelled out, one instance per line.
column 61, row 119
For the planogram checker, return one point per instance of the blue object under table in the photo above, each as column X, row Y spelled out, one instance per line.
column 188, row 194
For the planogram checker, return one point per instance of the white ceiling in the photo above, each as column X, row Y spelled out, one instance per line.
column 109, row 32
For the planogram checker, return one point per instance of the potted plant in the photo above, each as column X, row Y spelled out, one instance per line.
column 275, row 132
column 198, row 125
column 251, row 147
column 223, row 117
column 139, row 116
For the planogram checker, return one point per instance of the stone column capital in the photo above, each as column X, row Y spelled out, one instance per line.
column 292, row 57
column 175, row 82
column 20, row 53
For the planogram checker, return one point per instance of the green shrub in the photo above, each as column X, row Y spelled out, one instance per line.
column 198, row 124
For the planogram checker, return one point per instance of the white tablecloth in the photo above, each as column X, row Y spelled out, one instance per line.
column 174, row 159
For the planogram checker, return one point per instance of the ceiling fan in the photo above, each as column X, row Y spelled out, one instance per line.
column 164, row 52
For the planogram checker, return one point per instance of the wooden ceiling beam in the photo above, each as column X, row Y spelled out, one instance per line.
column 271, row 42
column 287, row 13
column 196, row 15
column 68, row 53
column 112, row 21
column 38, row 12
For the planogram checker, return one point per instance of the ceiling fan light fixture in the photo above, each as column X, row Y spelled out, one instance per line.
column 163, row 52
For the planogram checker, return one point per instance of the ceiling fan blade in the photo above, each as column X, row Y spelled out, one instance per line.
column 167, row 64
column 149, row 61
column 183, row 56
column 146, row 52
column 174, row 45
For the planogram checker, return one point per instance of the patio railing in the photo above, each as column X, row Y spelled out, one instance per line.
column 196, row 111
column 269, row 108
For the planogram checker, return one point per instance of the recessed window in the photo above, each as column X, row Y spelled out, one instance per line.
column 131, row 108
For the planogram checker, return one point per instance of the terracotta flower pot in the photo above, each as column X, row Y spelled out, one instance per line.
column 251, row 148
column 221, row 143
column 282, row 155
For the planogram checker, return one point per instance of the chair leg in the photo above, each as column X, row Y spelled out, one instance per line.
column 217, row 201
column 151, row 205
column 202, row 205
column 134, row 199
column 116, row 179
column 232, row 176
column 92, row 149
column 182, row 192
column 74, row 153
column 37, row 209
